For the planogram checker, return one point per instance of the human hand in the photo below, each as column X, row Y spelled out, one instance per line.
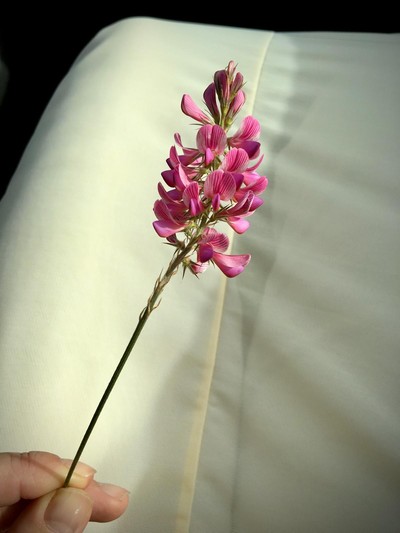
column 31, row 500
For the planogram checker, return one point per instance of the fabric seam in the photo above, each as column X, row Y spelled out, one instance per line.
column 186, row 502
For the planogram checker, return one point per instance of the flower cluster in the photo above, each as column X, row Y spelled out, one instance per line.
column 214, row 182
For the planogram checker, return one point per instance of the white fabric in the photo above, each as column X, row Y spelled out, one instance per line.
column 264, row 403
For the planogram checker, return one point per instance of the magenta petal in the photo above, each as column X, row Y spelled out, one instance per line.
column 238, row 224
column 204, row 253
column 231, row 265
column 211, row 137
column 166, row 228
column 216, row 202
column 211, row 102
column 252, row 148
column 219, row 241
column 221, row 183
column 180, row 177
column 172, row 195
column 222, row 86
column 237, row 103
column 209, row 156
column 238, row 81
column 168, row 176
column 191, row 198
column 236, row 160
column 249, row 130
column 190, row 108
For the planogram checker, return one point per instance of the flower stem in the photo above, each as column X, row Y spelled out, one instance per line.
column 152, row 303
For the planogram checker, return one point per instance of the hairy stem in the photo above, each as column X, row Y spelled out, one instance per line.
column 152, row 303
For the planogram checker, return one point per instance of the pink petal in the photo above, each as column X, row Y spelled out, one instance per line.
column 204, row 253
column 256, row 164
column 190, row 108
column 231, row 265
column 249, row 130
column 219, row 241
column 191, row 198
column 222, row 86
column 221, row 183
column 168, row 176
column 238, row 224
column 216, row 202
column 169, row 196
column 181, row 179
column 237, row 82
column 211, row 102
column 252, row 148
column 209, row 156
column 166, row 228
column 237, row 103
column 235, row 160
column 211, row 137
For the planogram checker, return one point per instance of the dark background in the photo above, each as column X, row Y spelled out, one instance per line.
column 38, row 48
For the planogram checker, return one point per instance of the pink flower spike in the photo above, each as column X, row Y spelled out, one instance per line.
column 231, row 265
column 190, row 108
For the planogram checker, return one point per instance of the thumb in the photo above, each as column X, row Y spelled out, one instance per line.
column 66, row 510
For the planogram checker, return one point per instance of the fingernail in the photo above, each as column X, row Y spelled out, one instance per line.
column 81, row 469
column 116, row 492
column 69, row 511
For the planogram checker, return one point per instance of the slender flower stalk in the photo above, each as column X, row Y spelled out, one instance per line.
column 214, row 182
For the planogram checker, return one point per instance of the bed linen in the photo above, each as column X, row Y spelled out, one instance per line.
column 264, row 403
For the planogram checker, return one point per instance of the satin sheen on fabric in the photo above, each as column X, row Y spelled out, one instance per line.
column 263, row 404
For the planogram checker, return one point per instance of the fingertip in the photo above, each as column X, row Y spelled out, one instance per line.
column 114, row 491
column 66, row 510
column 109, row 501
column 69, row 511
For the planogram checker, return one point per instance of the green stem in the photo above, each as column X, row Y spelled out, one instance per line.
column 144, row 315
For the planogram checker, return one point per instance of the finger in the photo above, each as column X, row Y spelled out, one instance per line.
column 61, row 511
column 32, row 474
column 109, row 501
